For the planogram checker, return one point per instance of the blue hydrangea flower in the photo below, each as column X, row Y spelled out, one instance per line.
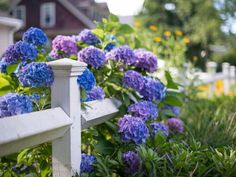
column 144, row 109
column 13, row 104
column 86, row 36
column 133, row 129
column 110, row 46
column 92, row 56
column 159, row 127
column 10, row 56
column 145, row 60
column 175, row 109
column 97, row 93
column 153, row 89
column 133, row 80
column 3, row 66
column 87, row 162
column 122, row 53
column 36, row 75
column 175, row 125
column 87, row 80
column 35, row 36
column 25, row 51
column 132, row 162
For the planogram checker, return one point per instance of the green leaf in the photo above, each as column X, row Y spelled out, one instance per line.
column 83, row 94
column 173, row 100
column 137, row 43
column 113, row 18
column 125, row 29
column 99, row 33
column 11, row 68
column 170, row 83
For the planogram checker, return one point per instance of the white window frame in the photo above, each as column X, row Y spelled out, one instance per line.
column 22, row 8
column 52, row 7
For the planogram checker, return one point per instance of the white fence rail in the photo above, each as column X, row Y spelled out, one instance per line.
column 227, row 76
column 60, row 125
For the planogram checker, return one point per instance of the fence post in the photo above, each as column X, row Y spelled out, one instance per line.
column 211, row 70
column 232, row 71
column 66, row 151
column 226, row 72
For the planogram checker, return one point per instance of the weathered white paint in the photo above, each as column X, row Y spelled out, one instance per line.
column 226, row 72
column 7, row 28
column 27, row 130
column 98, row 112
column 66, row 151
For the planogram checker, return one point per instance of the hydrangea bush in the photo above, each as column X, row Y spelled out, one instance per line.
column 118, row 66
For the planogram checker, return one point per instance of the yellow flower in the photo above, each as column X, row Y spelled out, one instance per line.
column 137, row 24
column 179, row 33
column 186, row 40
column 157, row 39
column 167, row 33
column 195, row 58
column 153, row 27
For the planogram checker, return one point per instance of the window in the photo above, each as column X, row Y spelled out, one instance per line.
column 20, row 13
column 47, row 14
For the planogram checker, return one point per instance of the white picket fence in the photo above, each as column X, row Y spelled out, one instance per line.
column 228, row 76
column 61, row 125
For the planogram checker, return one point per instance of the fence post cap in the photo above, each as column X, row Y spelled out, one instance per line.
column 67, row 67
column 211, row 64
column 225, row 64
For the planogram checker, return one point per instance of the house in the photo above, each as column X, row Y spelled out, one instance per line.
column 65, row 17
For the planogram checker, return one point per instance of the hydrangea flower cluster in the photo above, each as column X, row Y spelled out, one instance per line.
column 175, row 125
column 35, row 36
column 87, row 80
column 86, row 36
column 14, row 104
column 92, row 56
column 97, row 93
column 3, row 66
column 36, row 75
column 133, row 129
column 145, row 60
column 153, row 89
column 175, row 109
column 144, row 109
column 132, row 162
column 63, row 45
column 159, row 127
column 150, row 88
column 20, row 50
column 87, row 161
column 122, row 53
column 133, row 80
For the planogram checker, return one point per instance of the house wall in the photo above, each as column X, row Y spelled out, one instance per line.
column 6, row 36
column 66, row 23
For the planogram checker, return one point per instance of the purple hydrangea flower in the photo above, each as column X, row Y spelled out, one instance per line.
column 96, row 93
column 13, row 104
column 175, row 125
column 87, row 162
column 159, row 127
column 92, row 56
column 144, row 109
column 122, row 53
column 3, row 66
column 134, row 80
column 133, row 129
column 145, row 60
column 153, row 89
column 86, row 36
column 35, row 36
column 36, row 75
column 20, row 50
column 87, row 80
column 132, row 162
column 63, row 45
column 10, row 56
column 175, row 109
